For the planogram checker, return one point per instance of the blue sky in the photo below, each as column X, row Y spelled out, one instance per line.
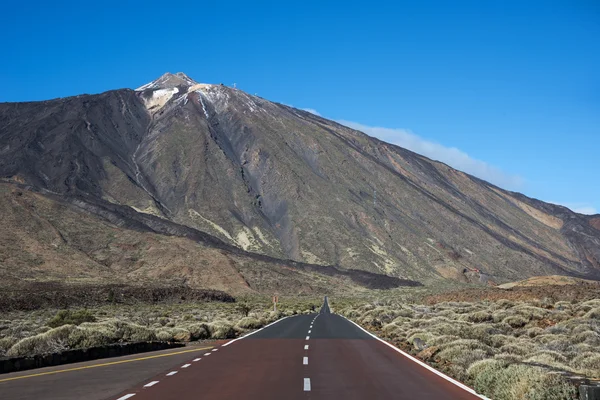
column 506, row 90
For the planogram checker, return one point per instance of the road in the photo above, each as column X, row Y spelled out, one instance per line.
column 315, row 356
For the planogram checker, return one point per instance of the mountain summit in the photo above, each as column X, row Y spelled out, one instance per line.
column 169, row 81
column 180, row 158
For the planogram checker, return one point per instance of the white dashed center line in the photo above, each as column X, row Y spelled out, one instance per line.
column 308, row 337
column 207, row 354
column 196, row 359
column 305, row 361
column 309, row 331
column 307, row 384
column 151, row 384
column 127, row 396
column 305, row 347
column 215, row 349
column 171, row 373
column 185, row 365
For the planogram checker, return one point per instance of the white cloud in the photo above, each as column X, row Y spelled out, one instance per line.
column 452, row 156
column 312, row 111
column 589, row 210
column 581, row 208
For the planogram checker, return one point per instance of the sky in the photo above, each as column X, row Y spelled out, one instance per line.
column 507, row 90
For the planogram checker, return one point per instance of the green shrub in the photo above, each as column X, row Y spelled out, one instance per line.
column 68, row 317
column 199, row 331
column 480, row 316
column 6, row 343
column 594, row 313
column 222, row 330
column 502, row 381
column 515, row 321
column 516, row 348
column 250, row 323
column 463, row 356
column 86, row 337
column 53, row 341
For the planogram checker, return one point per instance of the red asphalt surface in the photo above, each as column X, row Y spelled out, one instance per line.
column 343, row 362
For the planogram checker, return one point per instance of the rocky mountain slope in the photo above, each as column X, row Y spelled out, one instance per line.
column 265, row 180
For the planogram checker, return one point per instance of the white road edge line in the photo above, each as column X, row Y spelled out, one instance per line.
column 196, row 359
column 252, row 333
column 151, row 384
column 185, row 365
column 306, row 347
column 305, row 361
column 127, row 396
column 171, row 373
column 307, row 384
column 421, row 363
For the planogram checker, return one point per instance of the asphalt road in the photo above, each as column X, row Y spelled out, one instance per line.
column 316, row 356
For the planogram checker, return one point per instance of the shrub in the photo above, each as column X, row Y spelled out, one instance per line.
column 68, row 317
column 517, row 348
column 463, row 356
column 594, row 313
column 547, row 357
column 480, row 316
column 6, row 343
column 53, row 341
column 94, row 336
column 250, row 323
column 164, row 335
column 222, row 330
column 244, row 309
column 499, row 340
column 199, row 331
column 137, row 333
column 502, row 381
column 515, row 321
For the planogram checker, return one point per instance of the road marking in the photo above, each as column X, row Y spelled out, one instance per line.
column 101, row 365
column 307, row 384
column 305, row 361
column 306, row 347
column 185, row 365
column 151, row 384
column 252, row 333
column 127, row 396
column 171, row 373
column 196, row 359
column 308, row 337
column 421, row 363
column 214, row 349
column 207, row 354
column 309, row 331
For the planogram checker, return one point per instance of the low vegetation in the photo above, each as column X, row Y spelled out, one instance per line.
column 26, row 333
column 504, row 349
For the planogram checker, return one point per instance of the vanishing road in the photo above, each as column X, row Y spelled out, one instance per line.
column 316, row 356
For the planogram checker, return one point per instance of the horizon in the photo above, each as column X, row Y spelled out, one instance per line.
column 507, row 94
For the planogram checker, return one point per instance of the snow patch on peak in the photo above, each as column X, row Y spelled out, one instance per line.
column 159, row 98
column 169, row 81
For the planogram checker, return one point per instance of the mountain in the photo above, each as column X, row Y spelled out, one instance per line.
column 176, row 160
